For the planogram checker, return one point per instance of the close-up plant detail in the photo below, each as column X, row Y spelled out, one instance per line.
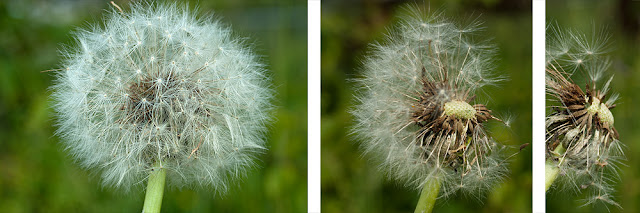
column 417, row 113
column 159, row 95
column 583, row 151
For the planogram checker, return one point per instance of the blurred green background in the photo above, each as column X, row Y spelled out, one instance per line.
column 621, row 20
column 38, row 175
column 350, row 183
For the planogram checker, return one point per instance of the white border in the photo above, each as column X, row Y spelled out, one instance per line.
column 538, row 106
column 313, row 106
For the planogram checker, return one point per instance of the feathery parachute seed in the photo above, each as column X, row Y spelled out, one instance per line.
column 157, row 84
column 581, row 139
column 415, row 111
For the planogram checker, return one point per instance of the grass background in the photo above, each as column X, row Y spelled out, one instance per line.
column 350, row 183
column 621, row 20
column 37, row 175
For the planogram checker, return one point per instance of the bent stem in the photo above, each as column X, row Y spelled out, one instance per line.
column 551, row 170
column 155, row 189
column 550, row 174
column 428, row 196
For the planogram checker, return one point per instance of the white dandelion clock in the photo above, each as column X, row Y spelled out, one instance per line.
column 583, row 148
column 416, row 112
column 158, row 90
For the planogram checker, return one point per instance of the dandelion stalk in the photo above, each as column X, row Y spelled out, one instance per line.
column 428, row 196
column 155, row 190
column 550, row 175
column 551, row 169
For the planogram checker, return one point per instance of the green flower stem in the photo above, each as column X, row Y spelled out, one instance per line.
column 551, row 170
column 155, row 189
column 550, row 174
column 428, row 196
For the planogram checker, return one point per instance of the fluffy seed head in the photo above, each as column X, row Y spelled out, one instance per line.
column 157, row 84
column 581, row 139
column 415, row 111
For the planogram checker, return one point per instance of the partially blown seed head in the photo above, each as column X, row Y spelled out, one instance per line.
column 581, row 138
column 416, row 111
column 158, row 85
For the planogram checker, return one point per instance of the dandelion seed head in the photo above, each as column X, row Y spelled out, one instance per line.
column 416, row 113
column 581, row 139
column 205, row 133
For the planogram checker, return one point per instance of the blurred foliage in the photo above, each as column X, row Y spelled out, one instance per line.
column 621, row 20
column 38, row 175
column 350, row 183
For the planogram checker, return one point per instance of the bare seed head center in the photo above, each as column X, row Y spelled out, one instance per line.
column 602, row 111
column 595, row 106
column 605, row 115
column 459, row 109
